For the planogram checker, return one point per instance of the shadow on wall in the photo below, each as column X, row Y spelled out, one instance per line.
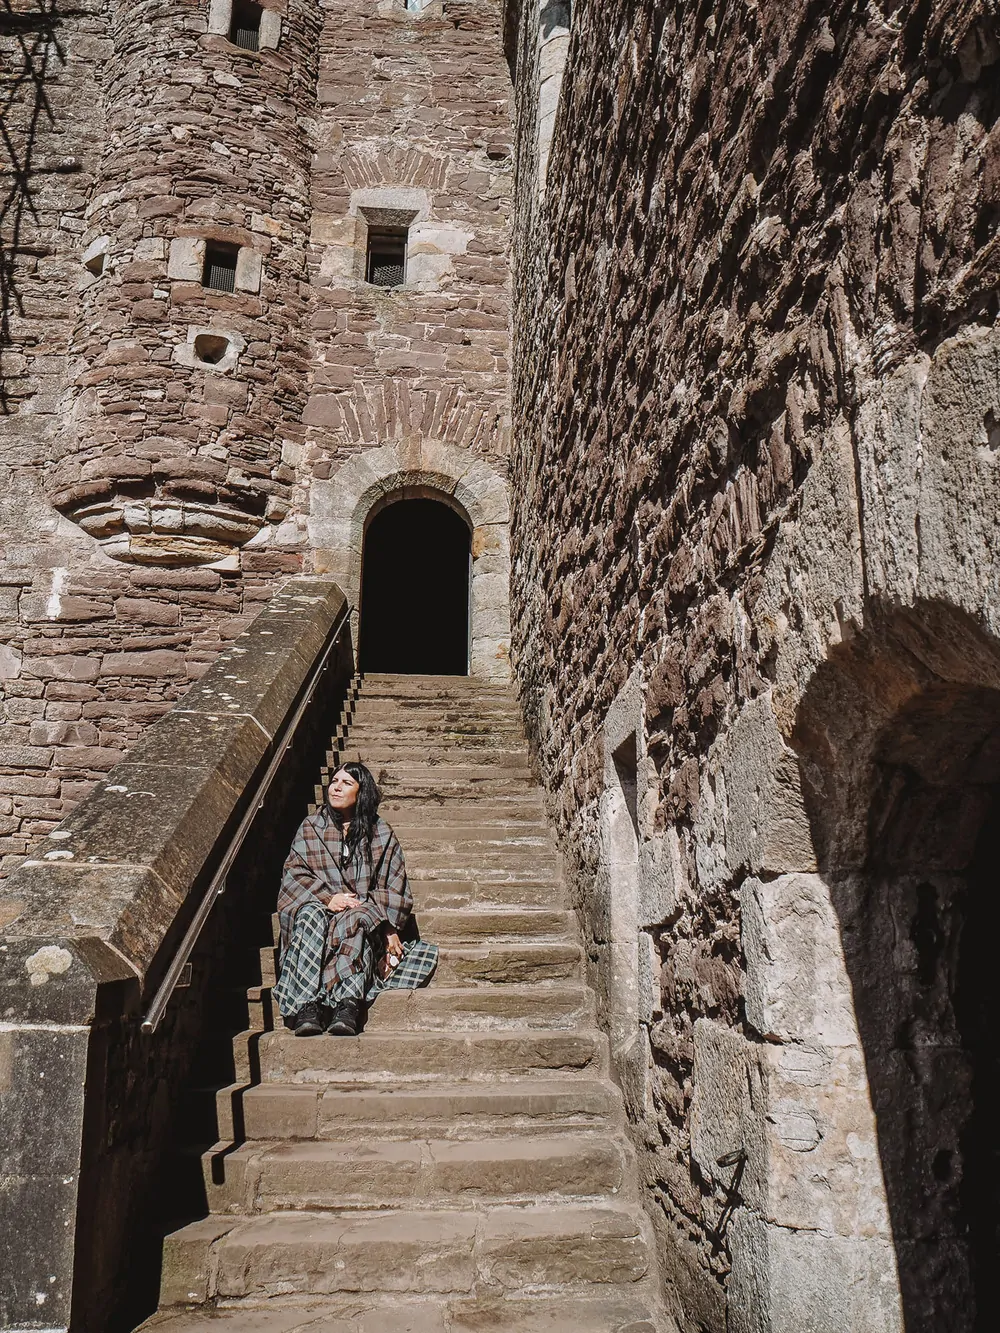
column 28, row 48
column 899, row 744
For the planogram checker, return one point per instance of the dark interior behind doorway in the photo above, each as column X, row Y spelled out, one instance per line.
column 415, row 591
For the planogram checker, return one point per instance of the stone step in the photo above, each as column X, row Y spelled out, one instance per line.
column 380, row 754
column 416, row 1055
column 525, row 809
column 439, row 1008
column 448, row 1109
column 617, row 1312
column 479, row 734
column 262, row 1177
column 431, row 786
column 403, row 681
column 438, row 699
column 479, row 892
column 471, row 926
column 499, row 964
column 436, row 1008
column 472, row 792
column 503, row 863
column 417, row 835
column 287, row 1255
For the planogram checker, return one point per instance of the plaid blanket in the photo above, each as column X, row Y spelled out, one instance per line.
column 334, row 955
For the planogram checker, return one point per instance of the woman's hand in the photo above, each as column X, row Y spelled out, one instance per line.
column 393, row 949
column 342, row 902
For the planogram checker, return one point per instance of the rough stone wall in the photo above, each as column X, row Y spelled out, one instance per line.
column 413, row 118
column 761, row 279
column 150, row 498
column 129, row 127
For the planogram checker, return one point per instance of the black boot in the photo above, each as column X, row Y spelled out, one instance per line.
column 311, row 1019
column 345, row 1019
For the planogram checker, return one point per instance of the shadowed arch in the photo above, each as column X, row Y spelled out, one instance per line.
column 342, row 507
column 899, row 744
column 415, row 589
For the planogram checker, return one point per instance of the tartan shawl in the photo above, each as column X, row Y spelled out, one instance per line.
column 316, row 868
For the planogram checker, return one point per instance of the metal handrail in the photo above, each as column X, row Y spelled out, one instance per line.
column 217, row 886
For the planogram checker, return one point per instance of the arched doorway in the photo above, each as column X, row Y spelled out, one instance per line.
column 415, row 590
column 901, row 770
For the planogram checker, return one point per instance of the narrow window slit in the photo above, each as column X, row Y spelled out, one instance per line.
column 220, row 267
column 386, row 260
column 245, row 28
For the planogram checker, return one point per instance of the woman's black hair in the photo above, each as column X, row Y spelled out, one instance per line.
column 365, row 815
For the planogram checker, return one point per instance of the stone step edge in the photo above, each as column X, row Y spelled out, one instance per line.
column 634, row 1311
column 423, row 1173
column 405, row 1108
column 193, row 1255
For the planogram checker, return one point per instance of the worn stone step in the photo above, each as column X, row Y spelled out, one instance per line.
column 499, row 963
column 433, row 711
column 498, row 864
column 455, row 894
column 471, row 925
column 617, row 1312
column 448, row 1109
column 435, row 1008
column 473, row 731
column 379, row 757
column 441, row 1007
column 284, row 1058
column 486, row 837
column 262, row 1177
column 439, row 700
column 288, row 1255
column 416, row 680
column 510, row 810
column 470, row 789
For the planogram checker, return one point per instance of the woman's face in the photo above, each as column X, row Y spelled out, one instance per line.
column 342, row 791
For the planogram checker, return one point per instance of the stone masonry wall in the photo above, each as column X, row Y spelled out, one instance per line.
column 754, row 423
column 129, row 127
column 413, row 121
column 150, row 500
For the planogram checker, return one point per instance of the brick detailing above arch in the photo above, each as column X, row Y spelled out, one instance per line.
column 375, row 410
column 342, row 506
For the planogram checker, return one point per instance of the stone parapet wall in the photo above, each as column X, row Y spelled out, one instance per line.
column 760, row 279
column 89, row 925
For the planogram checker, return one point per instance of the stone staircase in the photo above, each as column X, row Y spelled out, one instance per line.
column 463, row 1164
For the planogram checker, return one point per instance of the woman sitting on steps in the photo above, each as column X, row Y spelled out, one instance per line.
column 343, row 904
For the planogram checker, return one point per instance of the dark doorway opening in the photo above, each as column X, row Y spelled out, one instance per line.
column 415, row 591
column 901, row 771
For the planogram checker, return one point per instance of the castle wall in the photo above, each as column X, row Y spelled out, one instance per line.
column 754, row 500
column 170, row 452
column 413, row 128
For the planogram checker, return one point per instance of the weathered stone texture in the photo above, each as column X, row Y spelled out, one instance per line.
column 414, row 123
column 755, row 404
column 149, row 501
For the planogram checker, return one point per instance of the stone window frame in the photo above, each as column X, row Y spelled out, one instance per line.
column 95, row 259
column 385, row 206
column 220, row 20
column 639, row 873
column 187, row 353
column 383, row 219
column 555, row 23
column 186, row 263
